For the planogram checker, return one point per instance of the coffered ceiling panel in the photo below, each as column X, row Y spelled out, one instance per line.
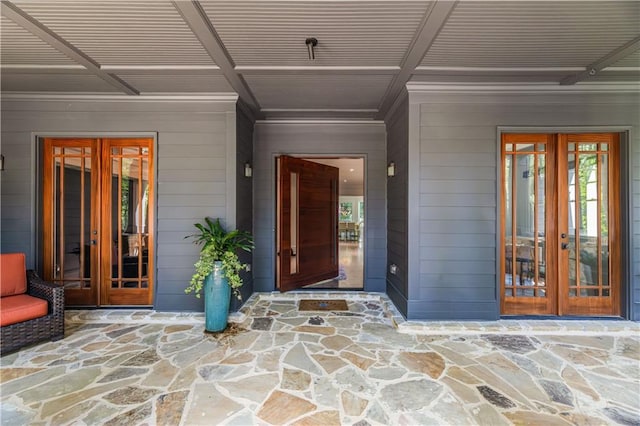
column 353, row 33
column 181, row 83
column 122, row 32
column 65, row 83
column 319, row 91
column 20, row 47
column 533, row 34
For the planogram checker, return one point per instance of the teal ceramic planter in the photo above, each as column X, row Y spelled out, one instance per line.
column 217, row 296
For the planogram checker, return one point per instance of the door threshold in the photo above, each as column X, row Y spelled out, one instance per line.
column 561, row 318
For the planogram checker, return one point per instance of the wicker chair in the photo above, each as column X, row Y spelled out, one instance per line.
column 48, row 327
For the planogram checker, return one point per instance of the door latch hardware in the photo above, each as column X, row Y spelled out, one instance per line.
column 564, row 246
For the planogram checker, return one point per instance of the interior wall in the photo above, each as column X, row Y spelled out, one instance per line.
column 194, row 175
column 308, row 139
column 456, row 135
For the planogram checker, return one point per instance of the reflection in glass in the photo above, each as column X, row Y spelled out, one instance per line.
column 508, row 226
column 604, row 218
column 72, row 216
column 572, row 211
column 589, row 221
column 130, row 211
column 525, row 210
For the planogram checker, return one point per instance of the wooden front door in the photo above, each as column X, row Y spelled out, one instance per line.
column 307, row 223
column 561, row 224
column 98, row 220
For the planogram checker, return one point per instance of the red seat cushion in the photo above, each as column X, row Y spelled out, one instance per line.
column 13, row 274
column 15, row 309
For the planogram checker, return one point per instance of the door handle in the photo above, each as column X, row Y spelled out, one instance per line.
column 564, row 246
column 93, row 242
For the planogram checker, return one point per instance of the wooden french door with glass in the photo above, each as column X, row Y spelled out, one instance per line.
column 560, row 231
column 98, row 220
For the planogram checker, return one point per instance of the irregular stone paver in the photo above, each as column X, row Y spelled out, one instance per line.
column 495, row 397
column 423, row 362
column 322, row 418
column 169, row 408
column 283, row 407
column 367, row 366
column 352, row 404
column 410, row 395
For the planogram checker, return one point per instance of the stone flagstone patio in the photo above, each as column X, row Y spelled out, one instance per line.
column 367, row 366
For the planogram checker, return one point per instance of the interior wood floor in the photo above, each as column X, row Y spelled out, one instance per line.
column 351, row 259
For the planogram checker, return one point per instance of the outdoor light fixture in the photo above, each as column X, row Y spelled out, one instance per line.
column 1, row 163
column 311, row 42
column 248, row 171
column 391, row 169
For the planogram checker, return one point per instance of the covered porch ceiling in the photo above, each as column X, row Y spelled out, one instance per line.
column 367, row 50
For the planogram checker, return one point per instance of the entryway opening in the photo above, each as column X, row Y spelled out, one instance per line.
column 321, row 223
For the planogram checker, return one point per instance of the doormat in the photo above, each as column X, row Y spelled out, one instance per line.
column 323, row 305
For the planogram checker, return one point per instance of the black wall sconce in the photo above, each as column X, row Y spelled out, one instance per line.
column 311, row 42
column 248, row 171
column 1, row 163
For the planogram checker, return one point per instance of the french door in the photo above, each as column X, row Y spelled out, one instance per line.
column 560, row 235
column 98, row 220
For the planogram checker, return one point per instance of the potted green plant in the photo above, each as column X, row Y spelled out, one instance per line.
column 217, row 271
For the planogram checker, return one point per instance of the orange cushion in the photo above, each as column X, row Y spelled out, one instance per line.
column 15, row 309
column 13, row 274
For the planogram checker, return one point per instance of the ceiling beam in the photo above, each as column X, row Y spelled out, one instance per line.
column 36, row 28
column 609, row 59
column 316, row 70
column 197, row 20
column 433, row 21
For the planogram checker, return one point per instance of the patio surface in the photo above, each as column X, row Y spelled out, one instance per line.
column 276, row 365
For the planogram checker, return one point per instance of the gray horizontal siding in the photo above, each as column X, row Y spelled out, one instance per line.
column 244, row 189
column 311, row 139
column 458, row 199
column 397, row 205
column 191, row 164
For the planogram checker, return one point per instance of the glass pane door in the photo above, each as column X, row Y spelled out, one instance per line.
column 127, row 222
column 71, row 225
column 525, row 264
column 589, row 225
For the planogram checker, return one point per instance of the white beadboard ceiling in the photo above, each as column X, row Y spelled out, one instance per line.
column 20, row 47
column 121, row 32
column 348, row 32
column 367, row 49
column 533, row 34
